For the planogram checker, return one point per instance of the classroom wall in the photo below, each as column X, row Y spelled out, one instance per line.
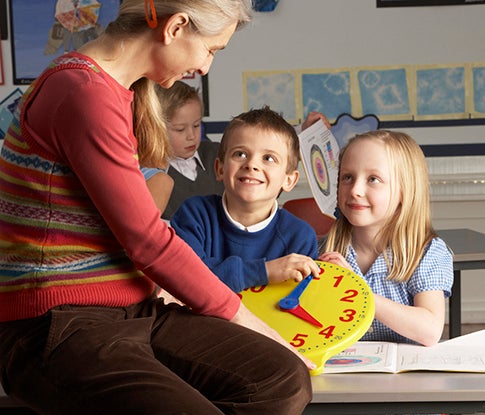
column 306, row 34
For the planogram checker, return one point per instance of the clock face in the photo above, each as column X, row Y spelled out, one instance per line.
column 320, row 316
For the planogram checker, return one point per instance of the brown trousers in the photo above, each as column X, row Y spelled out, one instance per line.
column 148, row 358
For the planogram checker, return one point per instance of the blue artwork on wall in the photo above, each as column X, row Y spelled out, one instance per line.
column 440, row 91
column 328, row 93
column 384, row 91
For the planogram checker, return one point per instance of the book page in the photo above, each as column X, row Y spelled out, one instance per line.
column 364, row 357
column 319, row 154
column 475, row 338
column 442, row 357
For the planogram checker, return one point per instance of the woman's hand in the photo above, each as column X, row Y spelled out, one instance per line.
column 245, row 318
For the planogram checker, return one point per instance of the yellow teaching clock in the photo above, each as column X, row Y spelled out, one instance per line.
column 319, row 316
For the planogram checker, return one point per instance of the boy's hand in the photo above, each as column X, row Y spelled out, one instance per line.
column 313, row 117
column 335, row 258
column 293, row 266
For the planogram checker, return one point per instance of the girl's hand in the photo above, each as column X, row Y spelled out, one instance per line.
column 335, row 258
column 293, row 266
column 245, row 318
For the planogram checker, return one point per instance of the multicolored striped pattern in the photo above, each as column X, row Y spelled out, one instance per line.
column 55, row 248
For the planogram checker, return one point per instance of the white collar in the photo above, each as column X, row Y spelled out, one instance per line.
column 252, row 228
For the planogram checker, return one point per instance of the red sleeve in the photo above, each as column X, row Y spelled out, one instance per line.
column 90, row 129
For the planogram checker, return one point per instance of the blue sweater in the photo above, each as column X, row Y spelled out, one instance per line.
column 238, row 257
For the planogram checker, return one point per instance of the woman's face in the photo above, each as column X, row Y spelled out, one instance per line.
column 188, row 53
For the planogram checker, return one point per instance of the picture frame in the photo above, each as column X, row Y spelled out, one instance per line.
column 3, row 20
column 420, row 3
column 201, row 83
column 38, row 35
column 2, row 76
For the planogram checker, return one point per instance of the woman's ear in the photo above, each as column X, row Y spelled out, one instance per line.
column 174, row 27
column 290, row 181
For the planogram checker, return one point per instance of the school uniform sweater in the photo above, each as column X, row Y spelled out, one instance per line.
column 77, row 222
column 236, row 256
column 204, row 184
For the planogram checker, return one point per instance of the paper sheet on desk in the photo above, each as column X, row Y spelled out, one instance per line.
column 476, row 338
column 454, row 356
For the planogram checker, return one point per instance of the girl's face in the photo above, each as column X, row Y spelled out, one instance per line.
column 184, row 129
column 254, row 169
column 367, row 192
column 184, row 52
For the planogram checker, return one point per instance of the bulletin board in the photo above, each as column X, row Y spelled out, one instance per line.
column 58, row 29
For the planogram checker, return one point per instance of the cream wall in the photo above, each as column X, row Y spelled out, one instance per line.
column 305, row 34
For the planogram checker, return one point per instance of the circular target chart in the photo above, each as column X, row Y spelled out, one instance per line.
column 352, row 361
column 319, row 169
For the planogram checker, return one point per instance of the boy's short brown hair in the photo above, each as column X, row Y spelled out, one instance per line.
column 266, row 119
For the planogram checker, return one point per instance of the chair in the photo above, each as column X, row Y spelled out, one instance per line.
column 308, row 210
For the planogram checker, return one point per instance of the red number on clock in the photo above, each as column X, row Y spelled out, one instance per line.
column 327, row 331
column 256, row 290
column 349, row 315
column 299, row 340
column 338, row 280
column 351, row 294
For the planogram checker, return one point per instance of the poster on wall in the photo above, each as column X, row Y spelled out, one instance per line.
column 41, row 30
column 413, row 3
column 201, row 84
column 7, row 107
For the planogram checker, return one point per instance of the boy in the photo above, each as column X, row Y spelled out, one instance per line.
column 244, row 238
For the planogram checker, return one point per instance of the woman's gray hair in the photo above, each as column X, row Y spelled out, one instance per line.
column 207, row 17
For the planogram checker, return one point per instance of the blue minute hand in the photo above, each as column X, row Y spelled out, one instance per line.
column 293, row 299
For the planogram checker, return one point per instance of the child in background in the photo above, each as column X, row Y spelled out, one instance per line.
column 244, row 238
column 192, row 165
column 384, row 234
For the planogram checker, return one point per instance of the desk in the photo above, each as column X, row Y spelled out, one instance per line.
column 468, row 253
column 411, row 392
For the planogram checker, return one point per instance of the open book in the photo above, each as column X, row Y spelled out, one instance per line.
column 461, row 354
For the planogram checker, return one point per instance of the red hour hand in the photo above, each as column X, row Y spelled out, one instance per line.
column 300, row 312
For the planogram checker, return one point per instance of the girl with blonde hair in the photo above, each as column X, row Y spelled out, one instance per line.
column 383, row 232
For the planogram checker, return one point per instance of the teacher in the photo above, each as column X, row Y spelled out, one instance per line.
column 83, row 249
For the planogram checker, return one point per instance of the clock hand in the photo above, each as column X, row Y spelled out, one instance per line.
column 293, row 299
column 300, row 312
column 291, row 303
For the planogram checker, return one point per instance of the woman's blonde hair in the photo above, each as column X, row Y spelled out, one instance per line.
column 408, row 230
column 207, row 18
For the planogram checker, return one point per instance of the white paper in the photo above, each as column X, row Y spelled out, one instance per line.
column 456, row 355
column 319, row 154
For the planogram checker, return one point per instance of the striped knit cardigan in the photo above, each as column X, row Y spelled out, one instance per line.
column 55, row 248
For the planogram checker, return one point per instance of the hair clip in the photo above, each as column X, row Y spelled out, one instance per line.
column 151, row 15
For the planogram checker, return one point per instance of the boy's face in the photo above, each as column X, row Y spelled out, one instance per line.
column 184, row 129
column 254, row 168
